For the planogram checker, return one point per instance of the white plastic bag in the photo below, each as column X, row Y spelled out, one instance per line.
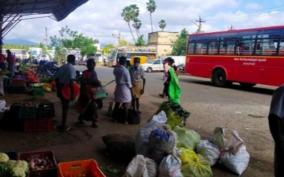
column 142, row 136
column 209, row 150
column 160, row 118
column 141, row 166
column 236, row 157
column 170, row 167
column 2, row 106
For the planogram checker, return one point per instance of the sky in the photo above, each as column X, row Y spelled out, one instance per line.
column 101, row 19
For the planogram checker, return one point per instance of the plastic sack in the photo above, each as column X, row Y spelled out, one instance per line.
column 3, row 107
column 186, row 138
column 161, row 143
column 236, row 157
column 160, row 118
column 163, row 139
column 142, row 137
column 219, row 137
column 194, row 165
column 141, row 167
column 170, row 167
column 208, row 150
column 173, row 119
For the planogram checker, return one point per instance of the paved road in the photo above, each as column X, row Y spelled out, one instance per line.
column 233, row 108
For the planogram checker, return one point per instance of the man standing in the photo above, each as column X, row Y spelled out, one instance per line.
column 276, row 125
column 65, row 77
column 138, row 83
column 11, row 59
column 122, row 93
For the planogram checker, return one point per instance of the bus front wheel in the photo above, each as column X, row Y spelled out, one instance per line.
column 219, row 78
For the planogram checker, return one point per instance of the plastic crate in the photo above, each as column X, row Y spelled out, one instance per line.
column 46, row 110
column 37, row 125
column 88, row 168
column 21, row 111
column 49, row 172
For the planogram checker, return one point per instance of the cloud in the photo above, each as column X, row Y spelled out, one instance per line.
column 101, row 19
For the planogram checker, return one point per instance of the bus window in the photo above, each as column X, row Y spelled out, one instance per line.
column 230, row 47
column 245, row 47
column 191, row 48
column 213, row 48
column 201, row 48
column 281, row 47
column 266, row 47
column 223, row 47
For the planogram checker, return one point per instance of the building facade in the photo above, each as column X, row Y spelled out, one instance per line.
column 163, row 42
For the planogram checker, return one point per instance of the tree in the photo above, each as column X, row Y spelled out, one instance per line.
column 140, row 41
column 151, row 7
column 179, row 47
column 129, row 13
column 107, row 49
column 162, row 24
column 69, row 39
column 137, row 25
column 122, row 42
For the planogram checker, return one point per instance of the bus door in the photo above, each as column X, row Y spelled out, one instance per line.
column 268, row 62
column 249, row 71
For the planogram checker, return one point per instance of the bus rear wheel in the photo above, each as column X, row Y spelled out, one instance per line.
column 219, row 78
column 247, row 85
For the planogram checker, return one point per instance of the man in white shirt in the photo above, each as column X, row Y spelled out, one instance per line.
column 65, row 76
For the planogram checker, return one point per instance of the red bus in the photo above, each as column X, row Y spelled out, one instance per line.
column 248, row 56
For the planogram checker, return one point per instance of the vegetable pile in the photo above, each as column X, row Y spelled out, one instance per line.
column 12, row 168
column 38, row 163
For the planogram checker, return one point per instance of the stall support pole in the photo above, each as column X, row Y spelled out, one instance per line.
column 1, row 33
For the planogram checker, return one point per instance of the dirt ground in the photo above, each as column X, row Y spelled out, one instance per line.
column 86, row 143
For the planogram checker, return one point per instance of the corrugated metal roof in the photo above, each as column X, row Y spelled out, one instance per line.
column 59, row 8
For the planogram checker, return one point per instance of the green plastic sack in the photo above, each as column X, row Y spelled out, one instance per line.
column 186, row 138
column 173, row 118
column 194, row 165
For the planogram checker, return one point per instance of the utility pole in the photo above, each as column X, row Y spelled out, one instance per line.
column 118, row 36
column 199, row 22
column 46, row 37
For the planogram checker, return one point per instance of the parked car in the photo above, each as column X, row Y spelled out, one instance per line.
column 151, row 66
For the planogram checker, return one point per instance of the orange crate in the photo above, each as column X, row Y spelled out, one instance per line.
column 86, row 168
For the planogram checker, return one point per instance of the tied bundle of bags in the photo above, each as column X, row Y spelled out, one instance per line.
column 176, row 115
column 234, row 154
column 227, row 149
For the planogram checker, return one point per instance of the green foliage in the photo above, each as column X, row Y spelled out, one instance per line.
column 179, row 47
column 140, row 41
column 137, row 24
column 123, row 42
column 162, row 24
column 69, row 39
column 15, row 46
column 151, row 6
column 107, row 49
column 129, row 13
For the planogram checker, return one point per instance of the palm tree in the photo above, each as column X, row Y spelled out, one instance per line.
column 162, row 24
column 137, row 25
column 129, row 13
column 151, row 7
